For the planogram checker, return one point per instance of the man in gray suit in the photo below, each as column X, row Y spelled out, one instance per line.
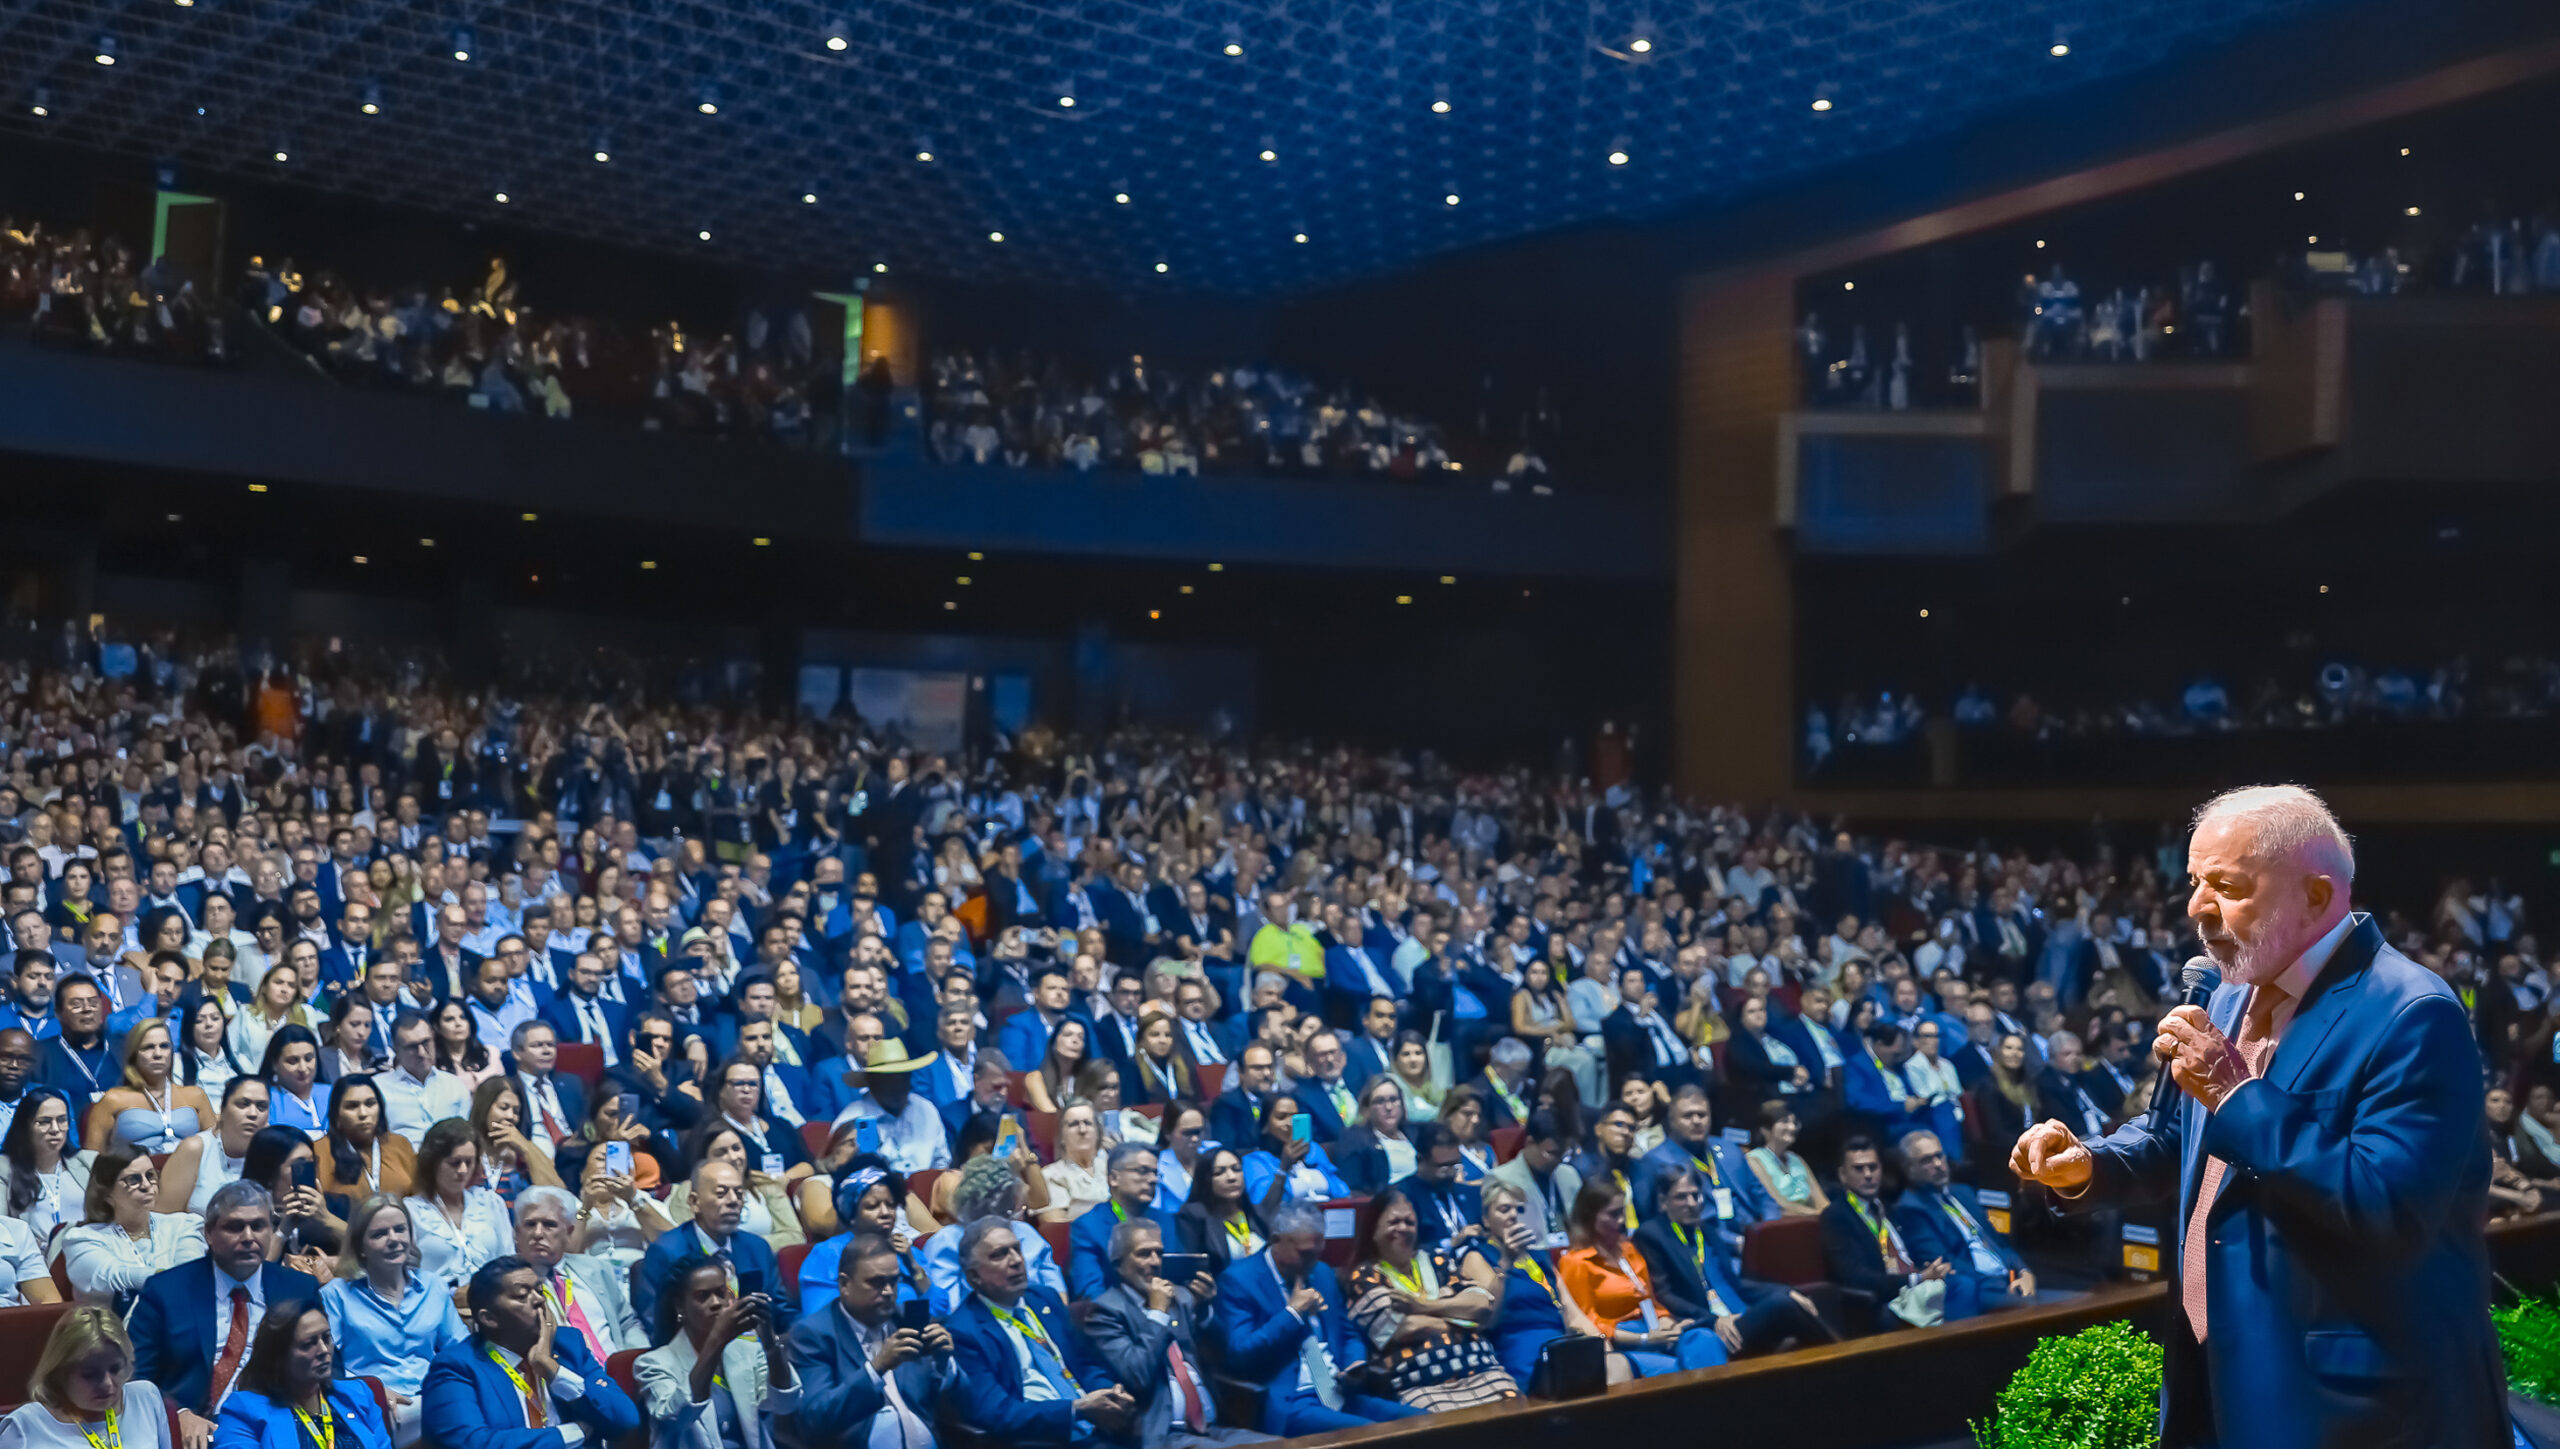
column 1148, row 1329
column 1547, row 1182
column 587, row 1293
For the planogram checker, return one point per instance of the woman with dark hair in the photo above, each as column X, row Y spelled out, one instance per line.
column 217, row 1155
column 1462, row 1116
column 2004, row 1102
column 459, row 1049
column 718, row 1376
column 162, row 932
column 1220, row 1220
column 1606, row 1276
column 311, row 1225
column 346, row 1043
column 1375, row 1151
column 1413, row 1073
column 738, row 1099
column 292, row 1072
column 1758, row 1064
column 290, row 1394
column 204, row 1043
column 509, row 1161
column 360, row 1156
column 1531, row 1308
column 1423, row 1320
column 1054, row 1080
column 460, row 1225
column 1285, row 1167
column 48, row 1183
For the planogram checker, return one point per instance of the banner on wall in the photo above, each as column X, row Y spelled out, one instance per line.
column 931, row 710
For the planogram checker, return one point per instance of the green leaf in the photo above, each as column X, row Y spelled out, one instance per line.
column 2095, row 1389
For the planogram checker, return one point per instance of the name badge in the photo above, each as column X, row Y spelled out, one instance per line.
column 773, row 1164
column 1724, row 1202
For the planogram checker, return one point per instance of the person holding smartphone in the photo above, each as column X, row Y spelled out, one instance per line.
column 717, row 1377
column 872, row 1368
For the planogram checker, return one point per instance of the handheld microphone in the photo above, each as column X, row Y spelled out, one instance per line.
column 2196, row 981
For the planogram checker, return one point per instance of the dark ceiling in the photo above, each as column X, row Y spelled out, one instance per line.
column 1175, row 106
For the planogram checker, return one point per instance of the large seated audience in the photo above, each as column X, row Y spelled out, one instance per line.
column 1028, row 411
column 380, row 1061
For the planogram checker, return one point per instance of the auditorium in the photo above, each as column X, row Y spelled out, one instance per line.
column 1164, row 723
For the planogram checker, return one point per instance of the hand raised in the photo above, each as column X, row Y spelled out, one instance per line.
column 2051, row 1154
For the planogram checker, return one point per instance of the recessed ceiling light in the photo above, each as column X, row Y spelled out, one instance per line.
column 1155, row 613
column 502, row 198
column 1641, row 45
column 426, row 543
column 1440, row 107
column 1234, row 49
column 1121, row 197
column 2311, row 241
column 603, row 156
column 879, row 266
column 648, row 563
column 1300, row 238
column 1270, row 155
column 372, row 101
column 924, row 155
column 951, row 603
column 1848, row 286
column 462, row 45
column 1069, row 102
column 837, row 36
column 1822, row 103
column 282, row 156
column 702, row 236
column 1451, row 199
column 1448, row 578
column 2404, row 150
column 360, row 558
column 2413, row 211
column 2060, row 49
column 2039, row 243
column 1161, row 267
column 1404, row 598
column 1617, row 158
column 1186, row 588
column 257, row 487
column 43, row 104
column 2297, row 196
column 995, row 236
column 808, row 198
column 835, row 42
column 708, row 107
column 106, row 50
column 1924, row 613
column 1217, row 568
column 975, row 556
column 964, row 581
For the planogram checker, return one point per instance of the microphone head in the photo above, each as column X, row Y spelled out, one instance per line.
column 2198, row 970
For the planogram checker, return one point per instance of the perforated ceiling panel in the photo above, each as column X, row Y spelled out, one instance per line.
column 1238, row 148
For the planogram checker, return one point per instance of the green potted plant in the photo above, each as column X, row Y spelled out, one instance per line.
column 2096, row 1389
column 2529, row 1336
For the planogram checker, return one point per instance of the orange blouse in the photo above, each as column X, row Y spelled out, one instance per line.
column 1606, row 1292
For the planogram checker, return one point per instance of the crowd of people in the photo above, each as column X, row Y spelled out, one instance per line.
column 487, row 345
column 1039, row 412
column 572, row 1063
column 89, row 292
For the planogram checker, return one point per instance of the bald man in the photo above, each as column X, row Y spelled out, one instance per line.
column 2326, row 1155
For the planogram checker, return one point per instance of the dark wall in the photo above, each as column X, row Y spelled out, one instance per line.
column 2143, row 455
column 1863, row 494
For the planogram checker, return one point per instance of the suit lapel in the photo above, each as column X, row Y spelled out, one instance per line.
column 2333, row 991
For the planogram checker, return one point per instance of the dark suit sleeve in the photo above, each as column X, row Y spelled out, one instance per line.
column 1008, row 1417
column 837, row 1398
column 1852, row 1257
column 2384, row 1174
column 154, row 1355
column 1670, row 1279
column 1261, row 1336
column 1129, row 1341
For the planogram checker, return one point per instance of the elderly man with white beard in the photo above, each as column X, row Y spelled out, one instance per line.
column 2327, row 1157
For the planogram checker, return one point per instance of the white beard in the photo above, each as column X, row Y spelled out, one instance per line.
column 2262, row 957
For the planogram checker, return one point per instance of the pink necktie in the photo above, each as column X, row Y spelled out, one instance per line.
column 2257, row 1044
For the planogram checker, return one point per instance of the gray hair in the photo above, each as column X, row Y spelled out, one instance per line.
column 1126, row 1153
column 1296, row 1217
column 1511, row 1052
column 975, row 1235
column 559, row 1200
column 2287, row 823
column 1125, row 1236
column 1495, row 1187
column 524, row 1028
column 987, row 1188
column 231, row 1197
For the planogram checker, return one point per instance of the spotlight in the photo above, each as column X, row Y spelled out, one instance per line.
column 1440, row 107
column 106, row 50
column 2039, row 243
column 879, row 266
column 1450, row 199
column 1822, row 103
column 995, row 236
column 709, row 104
column 282, row 154
column 837, row 37
column 502, row 198
column 2404, row 150
column 2297, row 196
column 462, row 46
column 603, row 156
column 1300, row 238
column 924, row 155
column 42, row 105
column 1641, row 45
column 1069, row 102
column 2413, row 211
column 372, row 100
column 808, row 198
column 1617, row 158
column 1270, row 155
column 1121, row 197
column 704, row 235
column 1848, row 286
column 1161, row 267
column 1234, row 49
column 2060, row 49
column 1404, row 598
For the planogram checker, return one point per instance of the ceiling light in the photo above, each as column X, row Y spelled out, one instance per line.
column 2297, row 196
column 257, row 487
column 1822, row 103
column 1121, row 197
column 2039, row 243
column 1270, row 155
column 1300, row 238
column 879, row 266
column 837, row 37
column 1067, row 101
column 808, row 198
column 951, row 603
column 2311, row 241
column 975, row 556
column 1155, row 613
column 1404, row 598
column 2404, row 150
column 1617, row 158
column 761, row 542
column 1641, row 45
column 702, row 236
column 835, row 42
column 2060, row 49
column 43, row 103
column 530, row 517
column 281, row 154
column 1924, row 613
column 426, row 543
column 1440, row 107
column 462, row 45
column 648, row 563
column 1217, row 568
column 995, row 236
column 1448, row 578
column 1234, row 49
column 1161, row 267
column 502, row 198
column 106, row 50
column 709, row 105
column 372, row 100
column 603, row 156
column 2413, row 211
column 1848, row 286
column 360, row 558
column 964, row 581
column 924, row 155
column 1451, row 198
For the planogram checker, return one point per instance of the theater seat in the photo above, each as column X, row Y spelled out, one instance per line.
column 23, row 1331
column 623, row 1369
column 1505, row 1142
column 583, row 1060
column 787, row 1263
column 1786, row 1250
column 1043, row 1127
column 62, row 1276
column 1059, row 1245
column 817, row 1137
column 1212, row 1077
column 921, row 1185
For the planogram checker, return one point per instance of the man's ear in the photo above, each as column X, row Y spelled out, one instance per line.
column 2317, row 892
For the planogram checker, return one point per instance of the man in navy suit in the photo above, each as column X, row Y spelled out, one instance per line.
column 1444, row 1209
column 1287, row 1330
column 839, row 1351
column 1735, row 1199
column 2326, row 1156
column 517, row 1382
column 1354, row 972
column 1115, row 1032
column 1694, row 1277
column 1025, row 1038
column 1325, row 1093
column 1940, row 1218
column 1235, row 1119
column 1130, row 1173
column 191, row 1324
column 556, row 1099
column 1372, row 1050
column 1006, row 1322
column 581, row 1013
column 719, row 1202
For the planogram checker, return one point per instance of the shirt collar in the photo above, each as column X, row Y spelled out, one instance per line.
column 2296, row 981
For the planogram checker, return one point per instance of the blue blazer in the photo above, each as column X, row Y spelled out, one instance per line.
column 1930, row 1233
column 254, row 1421
column 1750, row 1201
column 562, row 1012
column 2346, row 1280
column 1311, row 1099
column 1432, row 1228
column 1089, row 1270
column 1025, row 1038
column 474, row 1405
column 1863, row 1085
column 1263, row 1336
column 840, row 1393
column 991, row 1373
column 172, row 1326
column 748, row 1253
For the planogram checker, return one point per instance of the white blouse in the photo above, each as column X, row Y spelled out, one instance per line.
column 61, row 1196
column 143, row 1424
column 104, row 1264
column 447, row 1255
column 214, row 1171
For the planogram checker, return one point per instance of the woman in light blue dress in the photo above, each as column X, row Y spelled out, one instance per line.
column 150, row 1110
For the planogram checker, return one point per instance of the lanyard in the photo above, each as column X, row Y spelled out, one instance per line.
column 1510, row 1098
column 1963, row 1220
column 1411, row 1281
column 1031, row 1329
column 534, row 1416
column 1697, row 1246
column 1538, row 1275
column 1239, row 1229
column 1882, row 1230
column 114, row 1438
column 1626, row 1195
column 323, row 1433
column 1707, row 1165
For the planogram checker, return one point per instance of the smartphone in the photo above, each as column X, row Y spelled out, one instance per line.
column 631, row 1106
column 915, row 1314
column 1183, row 1267
column 617, row 1158
column 1008, row 1136
column 750, row 1281
column 866, row 1135
column 306, row 1173
column 1302, row 1128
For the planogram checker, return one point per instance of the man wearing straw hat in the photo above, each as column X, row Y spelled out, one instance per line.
column 908, row 1128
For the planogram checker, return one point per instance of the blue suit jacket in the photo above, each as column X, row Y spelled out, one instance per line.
column 1750, row 1201
column 1089, row 1270
column 254, row 1421
column 840, row 1393
column 474, row 1405
column 1865, row 1087
column 2346, row 1281
column 1929, row 1233
column 562, row 1012
column 1263, row 1335
column 991, row 1373
column 1312, row 1100
column 748, row 1253
column 172, row 1326
column 1025, row 1038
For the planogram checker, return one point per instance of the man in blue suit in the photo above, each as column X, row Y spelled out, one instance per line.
column 582, row 1013
column 1354, row 973
column 517, row 1382
column 1695, row 1278
column 2326, row 1155
column 1006, row 1322
column 1735, row 1199
column 1235, row 1119
column 1287, row 1330
column 1025, row 1037
column 1131, row 1176
column 175, row 1340
column 1941, row 1218
column 1874, row 1087
column 838, row 1351
column 1372, row 1050
column 719, row 1203
column 1324, row 1093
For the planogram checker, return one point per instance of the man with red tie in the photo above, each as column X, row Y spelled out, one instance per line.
column 1148, row 1329
column 191, row 1324
column 586, row 1293
column 555, row 1103
column 2326, row 1157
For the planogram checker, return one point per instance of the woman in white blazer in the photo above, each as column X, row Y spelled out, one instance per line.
column 717, row 1363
